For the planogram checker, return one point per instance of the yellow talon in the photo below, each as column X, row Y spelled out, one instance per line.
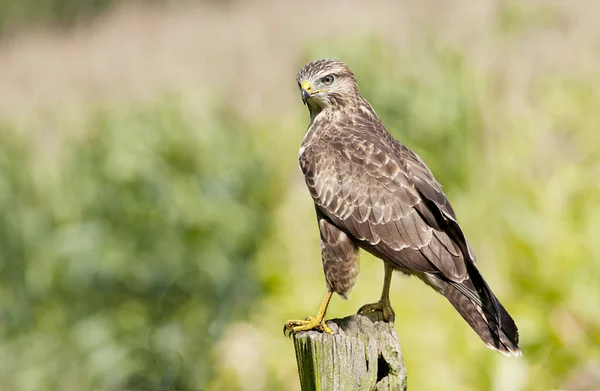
column 383, row 304
column 316, row 323
column 295, row 326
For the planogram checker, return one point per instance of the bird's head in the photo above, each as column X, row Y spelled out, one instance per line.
column 326, row 84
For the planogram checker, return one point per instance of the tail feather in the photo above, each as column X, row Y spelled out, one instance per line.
column 476, row 303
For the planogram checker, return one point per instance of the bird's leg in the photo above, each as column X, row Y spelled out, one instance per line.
column 316, row 323
column 383, row 304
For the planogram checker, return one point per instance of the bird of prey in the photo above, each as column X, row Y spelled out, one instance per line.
column 372, row 192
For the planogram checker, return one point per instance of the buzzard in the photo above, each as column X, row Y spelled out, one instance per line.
column 372, row 192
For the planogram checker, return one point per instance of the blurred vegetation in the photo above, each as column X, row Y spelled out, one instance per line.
column 144, row 227
column 162, row 244
column 34, row 12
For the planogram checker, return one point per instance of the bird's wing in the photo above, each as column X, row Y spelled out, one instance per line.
column 435, row 208
column 368, row 192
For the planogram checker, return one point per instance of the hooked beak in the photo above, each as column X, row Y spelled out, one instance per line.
column 305, row 96
column 306, row 91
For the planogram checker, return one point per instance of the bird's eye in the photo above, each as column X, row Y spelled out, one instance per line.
column 327, row 80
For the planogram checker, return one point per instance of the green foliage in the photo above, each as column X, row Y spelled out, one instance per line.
column 26, row 12
column 141, row 246
column 515, row 18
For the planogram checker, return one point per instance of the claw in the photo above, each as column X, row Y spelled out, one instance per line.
column 310, row 323
column 294, row 326
column 383, row 306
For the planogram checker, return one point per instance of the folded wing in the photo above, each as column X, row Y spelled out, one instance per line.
column 369, row 191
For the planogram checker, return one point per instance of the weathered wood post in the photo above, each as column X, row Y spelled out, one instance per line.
column 362, row 354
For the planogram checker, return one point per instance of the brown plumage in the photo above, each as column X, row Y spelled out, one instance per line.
column 372, row 192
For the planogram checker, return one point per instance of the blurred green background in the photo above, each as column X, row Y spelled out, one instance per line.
column 156, row 233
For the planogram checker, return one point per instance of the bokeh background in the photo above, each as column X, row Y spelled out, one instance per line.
column 156, row 233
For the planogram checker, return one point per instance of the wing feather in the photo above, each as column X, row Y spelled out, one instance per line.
column 370, row 193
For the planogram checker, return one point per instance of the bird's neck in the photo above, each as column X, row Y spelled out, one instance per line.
column 314, row 113
column 315, row 130
column 343, row 112
column 342, row 118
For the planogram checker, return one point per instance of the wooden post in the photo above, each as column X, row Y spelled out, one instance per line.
column 362, row 354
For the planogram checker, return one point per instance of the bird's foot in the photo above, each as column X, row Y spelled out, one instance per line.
column 316, row 323
column 382, row 305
